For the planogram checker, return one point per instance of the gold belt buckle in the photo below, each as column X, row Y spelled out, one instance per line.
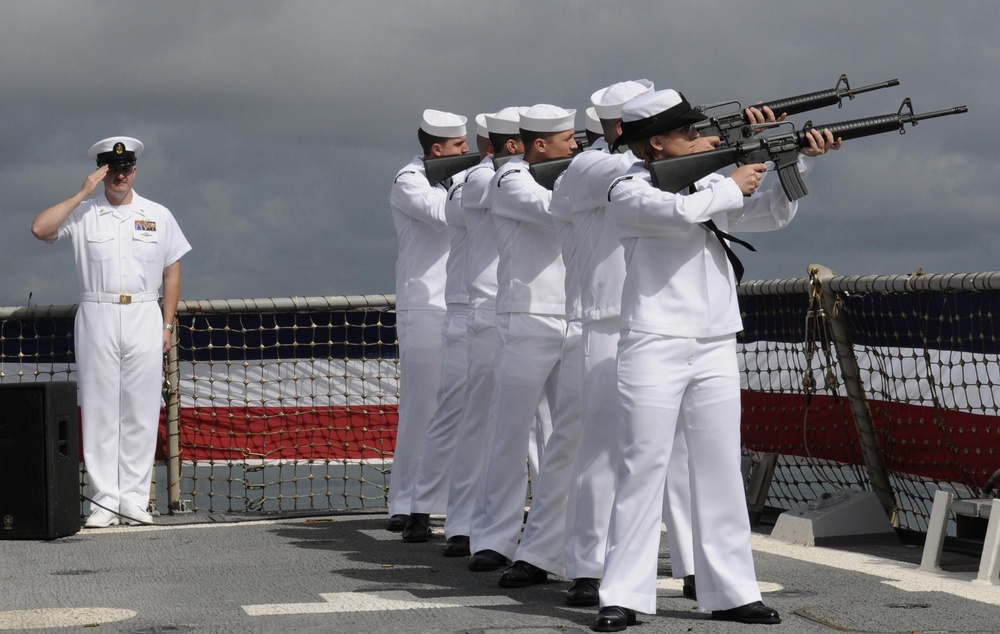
column 125, row 298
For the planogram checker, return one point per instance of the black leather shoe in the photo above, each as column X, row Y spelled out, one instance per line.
column 397, row 523
column 521, row 575
column 583, row 593
column 486, row 560
column 689, row 589
column 755, row 612
column 613, row 619
column 457, row 546
column 418, row 528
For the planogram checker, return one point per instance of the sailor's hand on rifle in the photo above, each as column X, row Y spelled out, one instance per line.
column 748, row 177
column 820, row 142
column 703, row 144
column 761, row 115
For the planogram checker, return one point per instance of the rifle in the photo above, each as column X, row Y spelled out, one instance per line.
column 677, row 172
column 444, row 167
column 732, row 126
column 500, row 161
column 547, row 172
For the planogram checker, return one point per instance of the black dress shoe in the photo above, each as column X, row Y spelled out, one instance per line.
column 457, row 546
column 613, row 619
column 397, row 523
column 418, row 528
column 521, row 575
column 583, row 593
column 755, row 612
column 689, row 589
column 486, row 560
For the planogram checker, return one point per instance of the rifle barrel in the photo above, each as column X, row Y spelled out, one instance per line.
column 822, row 98
column 939, row 113
column 858, row 128
column 857, row 91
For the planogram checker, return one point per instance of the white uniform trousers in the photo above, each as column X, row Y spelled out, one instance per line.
column 677, row 507
column 419, row 336
column 529, row 348
column 665, row 382
column 430, row 488
column 119, row 358
column 543, row 541
column 467, row 465
column 588, row 510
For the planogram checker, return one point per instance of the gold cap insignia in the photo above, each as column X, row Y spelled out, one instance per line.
column 119, row 148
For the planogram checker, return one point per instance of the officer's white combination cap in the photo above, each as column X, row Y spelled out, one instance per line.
column 443, row 124
column 545, row 117
column 609, row 101
column 593, row 122
column 482, row 128
column 506, row 121
column 120, row 147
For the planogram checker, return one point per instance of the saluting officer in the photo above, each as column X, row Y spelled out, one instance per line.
column 126, row 247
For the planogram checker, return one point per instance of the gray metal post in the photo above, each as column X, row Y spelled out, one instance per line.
column 937, row 528
column 989, row 563
column 173, row 428
column 851, row 375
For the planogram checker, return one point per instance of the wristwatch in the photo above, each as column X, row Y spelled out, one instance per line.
column 169, row 327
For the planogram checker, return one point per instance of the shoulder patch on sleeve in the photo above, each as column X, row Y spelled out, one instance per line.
column 506, row 174
column 615, row 182
column 401, row 173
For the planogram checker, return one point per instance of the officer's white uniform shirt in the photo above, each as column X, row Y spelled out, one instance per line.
column 679, row 280
column 419, row 217
column 456, row 293
column 482, row 252
column 122, row 249
column 530, row 274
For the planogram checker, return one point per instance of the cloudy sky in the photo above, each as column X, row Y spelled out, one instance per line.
column 274, row 129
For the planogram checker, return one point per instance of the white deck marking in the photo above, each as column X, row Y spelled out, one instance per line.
column 373, row 602
column 899, row 575
column 669, row 583
column 19, row 620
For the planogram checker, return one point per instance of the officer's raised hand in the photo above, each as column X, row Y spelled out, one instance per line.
column 94, row 179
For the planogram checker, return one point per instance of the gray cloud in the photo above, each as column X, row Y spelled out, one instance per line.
column 273, row 129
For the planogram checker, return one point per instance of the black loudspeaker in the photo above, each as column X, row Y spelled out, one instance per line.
column 39, row 461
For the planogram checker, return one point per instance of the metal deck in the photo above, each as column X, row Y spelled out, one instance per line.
column 345, row 573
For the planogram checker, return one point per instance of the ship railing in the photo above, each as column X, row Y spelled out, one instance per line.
column 889, row 384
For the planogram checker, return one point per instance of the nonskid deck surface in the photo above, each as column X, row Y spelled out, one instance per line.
column 345, row 573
